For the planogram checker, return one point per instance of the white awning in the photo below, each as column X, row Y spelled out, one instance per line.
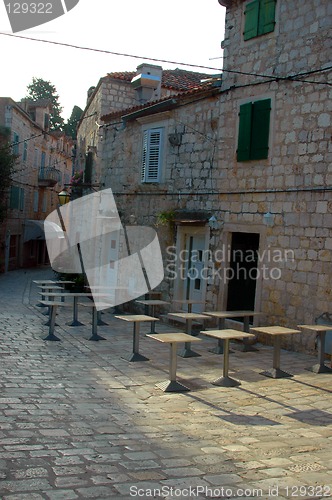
column 35, row 230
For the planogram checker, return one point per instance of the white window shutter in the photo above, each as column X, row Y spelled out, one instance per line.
column 144, row 155
column 152, row 149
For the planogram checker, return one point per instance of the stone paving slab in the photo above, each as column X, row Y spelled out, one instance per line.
column 79, row 421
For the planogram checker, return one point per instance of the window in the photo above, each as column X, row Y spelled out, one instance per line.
column 44, row 204
column 16, row 145
column 42, row 162
column 21, row 199
column 254, row 127
column 152, row 155
column 35, row 201
column 25, row 151
column 36, row 158
column 16, row 198
column 259, row 18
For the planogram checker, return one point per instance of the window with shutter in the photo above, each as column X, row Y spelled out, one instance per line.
column 251, row 20
column 16, row 145
column 43, row 162
column 152, row 155
column 22, row 199
column 35, row 201
column 25, row 151
column 266, row 16
column 88, row 167
column 14, row 197
column 259, row 18
column 254, row 129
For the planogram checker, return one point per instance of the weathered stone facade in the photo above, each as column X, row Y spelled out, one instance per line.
column 43, row 167
column 274, row 211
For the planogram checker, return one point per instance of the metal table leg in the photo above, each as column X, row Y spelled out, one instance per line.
column 225, row 380
column 172, row 385
column 187, row 352
column 136, row 356
column 320, row 367
column 51, row 337
column 246, row 347
column 75, row 321
column 100, row 322
column 95, row 335
column 219, row 349
column 276, row 372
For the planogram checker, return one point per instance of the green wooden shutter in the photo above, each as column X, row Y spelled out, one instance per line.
column 244, row 139
column 260, row 129
column 14, row 197
column 266, row 16
column 251, row 20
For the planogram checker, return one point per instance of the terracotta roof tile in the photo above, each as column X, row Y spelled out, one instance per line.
column 207, row 88
column 176, row 79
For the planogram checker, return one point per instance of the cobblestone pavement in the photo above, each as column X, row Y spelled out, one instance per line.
column 79, row 421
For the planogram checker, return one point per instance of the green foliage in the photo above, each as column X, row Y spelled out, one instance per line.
column 70, row 127
column 164, row 218
column 41, row 89
column 78, row 281
column 7, row 163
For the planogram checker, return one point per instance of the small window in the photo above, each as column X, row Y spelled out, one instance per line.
column 152, row 155
column 259, row 18
column 22, row 199
column 44, row 204
column 25, row 151
column 35, row 201
column 36, row 158
column 43, row 161
column 16, row 144
column 14, row 202
column 254, row 127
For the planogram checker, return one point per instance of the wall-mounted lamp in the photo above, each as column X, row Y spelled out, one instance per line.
column 213, row 222
column 64, row 197
column 268, row 219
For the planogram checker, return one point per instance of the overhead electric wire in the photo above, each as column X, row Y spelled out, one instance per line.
column 10, row 145
column 177, row 63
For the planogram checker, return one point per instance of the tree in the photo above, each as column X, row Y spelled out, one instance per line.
column 41, row 89
column 70, row 126
column 7, row 162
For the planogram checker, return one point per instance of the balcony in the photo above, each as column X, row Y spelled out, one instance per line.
column 48, row 177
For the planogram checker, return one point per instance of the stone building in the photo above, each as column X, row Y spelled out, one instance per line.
column 43, row 167
column 275, row 156
column 237, row 179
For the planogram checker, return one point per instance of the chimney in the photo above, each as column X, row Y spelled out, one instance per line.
column 147, row 82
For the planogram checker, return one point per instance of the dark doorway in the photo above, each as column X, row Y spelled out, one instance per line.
column 243, row 271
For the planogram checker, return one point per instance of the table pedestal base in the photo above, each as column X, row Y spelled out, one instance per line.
column 319, row 368
column 276, row 373
column 226, row 382
column 52, row 338
column 172, row 386
column 187, row 352
column 95, row 337
column 75, row 323
column 136, row 356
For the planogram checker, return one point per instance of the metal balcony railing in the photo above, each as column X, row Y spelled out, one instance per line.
column 48, row 177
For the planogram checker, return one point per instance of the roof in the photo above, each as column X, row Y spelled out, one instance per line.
column 175, row 79
column 169, row 102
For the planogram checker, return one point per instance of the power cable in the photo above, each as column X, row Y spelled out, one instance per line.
column 177, row 63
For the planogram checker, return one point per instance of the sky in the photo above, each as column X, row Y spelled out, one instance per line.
column 184, row 31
